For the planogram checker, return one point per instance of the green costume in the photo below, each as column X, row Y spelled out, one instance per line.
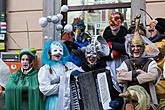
column 22, row 91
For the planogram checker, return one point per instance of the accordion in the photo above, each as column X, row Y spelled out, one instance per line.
column 91, row 90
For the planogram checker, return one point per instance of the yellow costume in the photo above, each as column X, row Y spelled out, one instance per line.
column 157, row 29
column 160, row 58
column 160, row 87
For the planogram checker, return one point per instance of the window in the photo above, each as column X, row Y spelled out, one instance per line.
column 96, row 13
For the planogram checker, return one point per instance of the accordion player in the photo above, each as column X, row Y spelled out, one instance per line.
column 93, row 90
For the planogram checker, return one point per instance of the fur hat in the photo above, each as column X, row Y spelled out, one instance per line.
column 160, row 26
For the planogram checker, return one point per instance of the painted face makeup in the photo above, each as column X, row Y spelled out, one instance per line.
column 137, row 50
column 91, row 60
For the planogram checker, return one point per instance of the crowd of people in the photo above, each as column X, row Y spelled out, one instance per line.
column 135, row 61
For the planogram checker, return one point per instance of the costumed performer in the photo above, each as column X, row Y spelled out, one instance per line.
column 54, row 76
column 22, row 89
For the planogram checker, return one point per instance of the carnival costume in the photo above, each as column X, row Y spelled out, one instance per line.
column 140, row 69
column 116, row 45
column 93, row 61
column 137, row 94
column 54, row 76
column 157, row 29
column 159, row 39
column 22, row 89
column 97, row 49
column 75, row 37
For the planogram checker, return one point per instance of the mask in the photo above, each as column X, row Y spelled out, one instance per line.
column 115, row 21
column 90, row 51
column 56, row 48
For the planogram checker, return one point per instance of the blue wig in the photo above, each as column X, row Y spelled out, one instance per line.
column 46, row 55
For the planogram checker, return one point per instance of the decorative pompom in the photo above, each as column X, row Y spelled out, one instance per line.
column 55, row 19
column 59, row 27
column 60, row 16
column 68, row 28
column 45, row 37
column 49, row 18
column 43, row 22
column 64, row 8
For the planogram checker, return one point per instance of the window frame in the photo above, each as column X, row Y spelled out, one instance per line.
column 93, row 7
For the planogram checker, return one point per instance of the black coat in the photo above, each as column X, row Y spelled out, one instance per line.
column 100, row 65
column 117, row 40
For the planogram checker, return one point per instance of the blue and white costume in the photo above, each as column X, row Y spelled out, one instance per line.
column 54, row 78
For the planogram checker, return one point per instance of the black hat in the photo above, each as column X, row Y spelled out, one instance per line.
column 160, row 26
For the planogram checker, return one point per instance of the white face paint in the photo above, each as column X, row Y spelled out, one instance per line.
column 137, row 50
column 56, row 49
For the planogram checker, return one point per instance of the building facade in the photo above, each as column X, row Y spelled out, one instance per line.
column 24, row 31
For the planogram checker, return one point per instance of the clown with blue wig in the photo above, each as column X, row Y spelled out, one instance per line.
column 54, row 76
